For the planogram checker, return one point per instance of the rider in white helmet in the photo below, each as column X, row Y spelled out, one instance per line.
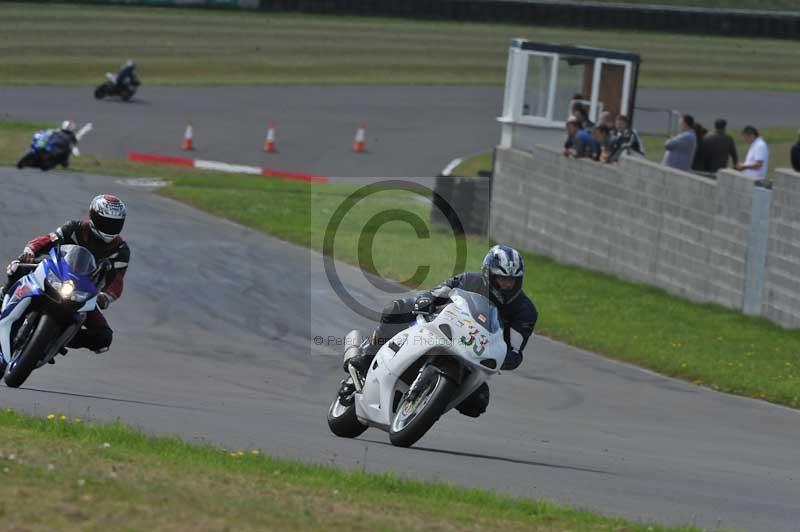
column 100, row 234
column 500, row 279
column 127, row 74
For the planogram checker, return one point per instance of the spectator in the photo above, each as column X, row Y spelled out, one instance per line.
column 757, row 160
column 583, row 116
column 580, row 141
column 796, row 153
column 698, row 161
column 625, row 140
column 601, row 136
column 717, row 147
column 679, row 150
column 606, row 120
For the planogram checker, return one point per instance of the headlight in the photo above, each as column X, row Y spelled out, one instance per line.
column 67, row 289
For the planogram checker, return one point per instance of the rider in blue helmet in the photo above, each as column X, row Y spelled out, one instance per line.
column 500, row 279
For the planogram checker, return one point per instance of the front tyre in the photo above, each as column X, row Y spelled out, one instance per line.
column 23, row 363
column 417, row 412
column 28, row 159
column 101, row 92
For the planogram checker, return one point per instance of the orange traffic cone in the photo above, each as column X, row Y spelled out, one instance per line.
column 359, row 144
column 269, row 143
column 188, row 143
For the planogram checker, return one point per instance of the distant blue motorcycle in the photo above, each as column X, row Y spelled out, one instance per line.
column 45, row 309
column 52, row 147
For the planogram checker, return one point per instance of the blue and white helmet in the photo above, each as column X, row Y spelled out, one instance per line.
column 503, row 261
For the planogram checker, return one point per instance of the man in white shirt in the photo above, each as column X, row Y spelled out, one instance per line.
column 757, row 161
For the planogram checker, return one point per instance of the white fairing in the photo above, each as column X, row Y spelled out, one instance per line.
column 471, row 343
column 7, row 322
column 36, row 277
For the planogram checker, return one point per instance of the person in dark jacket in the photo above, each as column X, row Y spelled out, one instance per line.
column 580, row 142
column 500, row 280
column 795, row 153
column 126, row 75
column 698, row 161
column 717, row 147
column 624, row 141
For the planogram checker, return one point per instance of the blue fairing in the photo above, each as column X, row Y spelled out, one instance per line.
column 79, row 273
column 68, row 263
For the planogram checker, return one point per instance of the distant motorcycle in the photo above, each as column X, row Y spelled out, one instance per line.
column 45, row 309
column 51, row 148
column 110, row 88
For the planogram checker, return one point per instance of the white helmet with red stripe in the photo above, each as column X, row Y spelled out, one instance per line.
column 68, row 125
column 106, row 217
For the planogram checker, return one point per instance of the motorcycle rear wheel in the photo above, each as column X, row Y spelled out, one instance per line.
column 415, row 417
column 342, row 420
column 23, row 364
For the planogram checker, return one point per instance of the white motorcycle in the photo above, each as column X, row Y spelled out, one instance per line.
column 422, row 372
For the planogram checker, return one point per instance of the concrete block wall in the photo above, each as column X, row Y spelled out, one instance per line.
column 781, row 298
column 636, row 219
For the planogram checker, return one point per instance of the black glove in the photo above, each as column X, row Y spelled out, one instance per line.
column 512, row 361
column 424, row 302
column 103, row 301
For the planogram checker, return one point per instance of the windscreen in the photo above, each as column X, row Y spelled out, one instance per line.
column 480, row 308
column 79, row 259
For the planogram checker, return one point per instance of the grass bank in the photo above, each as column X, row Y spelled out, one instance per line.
column 780, row 5
column 98, row 476
column 199, row 47
column 705, row 344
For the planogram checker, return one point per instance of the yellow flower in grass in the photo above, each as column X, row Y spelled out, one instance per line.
column 255, row 452
column 63, row 418
column 51, row 417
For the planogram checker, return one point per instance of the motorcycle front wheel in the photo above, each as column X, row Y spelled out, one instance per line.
column 101, row 91
column 25, row 359
column 417, row 412
column 27, row 160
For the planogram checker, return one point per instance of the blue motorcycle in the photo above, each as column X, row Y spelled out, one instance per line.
column 48, row 149
column 45, row 309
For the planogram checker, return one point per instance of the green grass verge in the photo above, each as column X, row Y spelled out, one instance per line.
column 110, row 477
column 780, row 5
column 201, row 47
column 706, row 344
column 475, row 165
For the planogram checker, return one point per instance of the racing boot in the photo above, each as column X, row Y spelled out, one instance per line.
column 359, row 353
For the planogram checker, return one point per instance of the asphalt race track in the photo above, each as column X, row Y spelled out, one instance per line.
column 214, row 343
column 412, row 131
